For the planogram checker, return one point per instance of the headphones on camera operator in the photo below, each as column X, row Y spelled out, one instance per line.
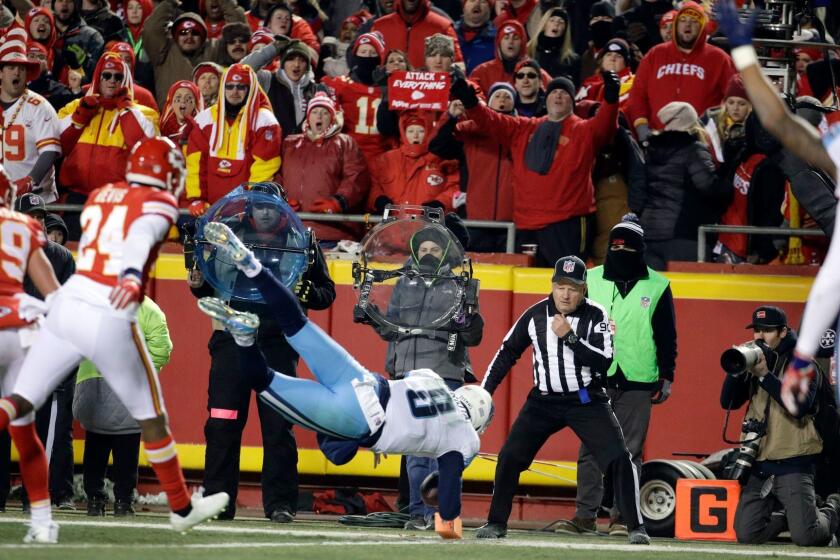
column 389, row 259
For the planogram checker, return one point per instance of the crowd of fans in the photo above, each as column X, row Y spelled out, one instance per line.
column 643, row 113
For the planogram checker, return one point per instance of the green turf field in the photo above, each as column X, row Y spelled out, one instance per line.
column 148, row 537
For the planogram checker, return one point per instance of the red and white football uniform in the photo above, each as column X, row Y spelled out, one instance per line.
column 30, row 127
column 122, row 228
column 359, row 103
column 20, row 236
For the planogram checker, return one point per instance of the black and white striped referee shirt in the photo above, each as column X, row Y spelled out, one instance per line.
column 557, row 367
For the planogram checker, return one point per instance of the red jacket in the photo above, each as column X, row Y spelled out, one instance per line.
column 212, row 173
column 324, row 168
column 408, row 33
column 488, row 73
column 668, row 74
column 412, row 175
column 566, row 191
column 490, row 185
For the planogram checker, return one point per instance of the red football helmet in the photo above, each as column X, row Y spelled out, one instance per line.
column 157, row 162
column 7, row 189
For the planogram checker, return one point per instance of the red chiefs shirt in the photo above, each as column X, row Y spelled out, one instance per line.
column 359, row 103
column 106, row 220
column 20, row 236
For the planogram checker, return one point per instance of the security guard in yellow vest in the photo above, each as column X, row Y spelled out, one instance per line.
column 782, row 476
column 639, row 303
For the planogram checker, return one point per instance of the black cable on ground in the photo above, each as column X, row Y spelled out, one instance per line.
column 386, row 519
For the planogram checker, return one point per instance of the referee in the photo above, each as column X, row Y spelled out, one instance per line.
column 572, row 350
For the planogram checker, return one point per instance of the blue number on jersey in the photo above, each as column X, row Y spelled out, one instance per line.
column 427, row 404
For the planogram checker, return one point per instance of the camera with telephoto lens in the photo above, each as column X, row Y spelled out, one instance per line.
column 739, row 359
column 752, row 431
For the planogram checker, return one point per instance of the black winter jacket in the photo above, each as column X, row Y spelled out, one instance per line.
column 682, row 188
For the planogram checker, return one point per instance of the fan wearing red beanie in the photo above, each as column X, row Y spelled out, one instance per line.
column 324, row 170
column 358, row 96
column 725, row 123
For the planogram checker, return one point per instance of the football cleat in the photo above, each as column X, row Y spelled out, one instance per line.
column 203, row 508
column 223, row 237
column 42, row 534
column 241, row 324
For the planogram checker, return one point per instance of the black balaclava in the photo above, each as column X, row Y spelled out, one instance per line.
column 622, row 265
column 363, row 68
column 429, row 264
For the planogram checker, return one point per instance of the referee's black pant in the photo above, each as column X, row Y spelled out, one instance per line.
column 229, row 396
column 596, row 426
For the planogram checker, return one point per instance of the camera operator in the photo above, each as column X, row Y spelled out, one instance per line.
column 778, row 455
column 229, row 393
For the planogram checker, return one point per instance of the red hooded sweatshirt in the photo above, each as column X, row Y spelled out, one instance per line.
column 412, row 175
column 488, row 73
column 50, row 41
column 407, row 33
column 667, row 74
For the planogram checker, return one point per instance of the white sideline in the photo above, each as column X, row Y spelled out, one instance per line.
column 348, row 538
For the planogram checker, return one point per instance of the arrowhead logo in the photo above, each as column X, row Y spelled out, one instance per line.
column 417, row 95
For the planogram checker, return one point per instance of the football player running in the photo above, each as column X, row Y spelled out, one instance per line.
column 801, row 139
column 22, row 240
column 348, row 406
column 93, row 315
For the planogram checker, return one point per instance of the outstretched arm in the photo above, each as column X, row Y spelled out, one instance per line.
column 794, row 133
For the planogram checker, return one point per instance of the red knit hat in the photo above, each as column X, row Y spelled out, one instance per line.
column 322, row 100
column 814, row 54
column 238, row 74
column 261, row 37
column 667, row 18
column 205, row 68
column 735, row 88
column 188, row 23
column 34, row 47
column 373, row 39
column 123, row 48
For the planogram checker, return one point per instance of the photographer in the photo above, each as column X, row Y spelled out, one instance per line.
column 783, row 447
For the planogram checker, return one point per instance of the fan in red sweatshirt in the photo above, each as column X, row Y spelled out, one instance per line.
column 686, row 69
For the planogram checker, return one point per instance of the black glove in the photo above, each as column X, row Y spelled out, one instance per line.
column 612, row 85
column 303, row 289
column 434, row 204
column 381, row 202
column 380, row 76
column 464, row 92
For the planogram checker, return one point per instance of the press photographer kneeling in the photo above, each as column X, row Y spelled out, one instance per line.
column 778, row 454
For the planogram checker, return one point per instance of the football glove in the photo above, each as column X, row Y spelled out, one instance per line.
column 129, row 289
column 799, row 374
column 198, row 208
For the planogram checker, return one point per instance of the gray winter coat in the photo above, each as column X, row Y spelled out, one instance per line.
column 412, row 303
